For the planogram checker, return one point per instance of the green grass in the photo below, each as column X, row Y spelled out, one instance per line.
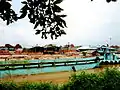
column 15, row 62
column 107, row 80
column 18, row 62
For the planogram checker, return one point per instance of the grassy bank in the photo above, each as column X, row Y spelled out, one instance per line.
column 107, row 80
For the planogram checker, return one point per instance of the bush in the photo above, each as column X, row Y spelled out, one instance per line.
column 111, row 79
column 84, row 81
column 27, row 86
column 8, row 86
column 107, row 80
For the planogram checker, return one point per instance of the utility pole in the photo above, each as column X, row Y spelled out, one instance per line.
column 110, row 41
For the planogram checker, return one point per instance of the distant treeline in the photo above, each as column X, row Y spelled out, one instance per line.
column 44, row 50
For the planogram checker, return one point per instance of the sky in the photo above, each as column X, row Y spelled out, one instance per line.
column 89, row 23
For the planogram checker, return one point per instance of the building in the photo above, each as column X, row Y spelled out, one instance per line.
column 4, row 50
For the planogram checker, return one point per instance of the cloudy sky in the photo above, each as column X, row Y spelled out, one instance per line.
column 89, row 23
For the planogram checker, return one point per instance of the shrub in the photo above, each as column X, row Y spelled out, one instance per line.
column 111, row 79
column 8, row 86
column 107, row 80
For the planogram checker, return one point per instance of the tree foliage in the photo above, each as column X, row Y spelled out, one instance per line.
column 6, row 13
column 109, row 0
column 44, row 14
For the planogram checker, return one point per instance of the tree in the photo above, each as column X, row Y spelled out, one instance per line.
column 6, row 13
column 109, row 0
column 44, row 14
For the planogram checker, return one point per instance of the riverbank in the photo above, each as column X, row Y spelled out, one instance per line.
column 55, row 77
column 108, row 79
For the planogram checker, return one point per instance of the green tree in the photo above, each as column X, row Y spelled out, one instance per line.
column 44, row 14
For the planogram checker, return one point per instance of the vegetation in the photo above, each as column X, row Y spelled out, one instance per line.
column 19, row 62
column 15, row 62
column 107, row 80
column 109, row 0
column 84, row 53
column 44, row 14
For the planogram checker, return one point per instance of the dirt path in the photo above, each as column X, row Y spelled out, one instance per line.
column 58, row 77
column 55, row 77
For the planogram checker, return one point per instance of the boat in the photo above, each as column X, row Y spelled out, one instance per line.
column 109, row 56
column 43, row 66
